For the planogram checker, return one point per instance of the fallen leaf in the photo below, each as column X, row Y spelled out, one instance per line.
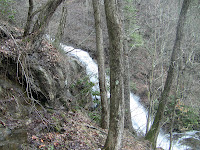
column 55, row 144
column 41, row 146
column 34, row 137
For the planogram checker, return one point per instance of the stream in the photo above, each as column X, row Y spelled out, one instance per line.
column 181, row 141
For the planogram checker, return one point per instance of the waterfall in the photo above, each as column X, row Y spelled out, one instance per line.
column 86, row 60
column 138, row 112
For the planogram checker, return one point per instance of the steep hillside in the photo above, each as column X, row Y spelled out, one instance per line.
column 151, row 42
column 39, row 108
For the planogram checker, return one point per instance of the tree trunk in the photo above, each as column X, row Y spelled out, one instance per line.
column 150, row 90
column 29, row 19
column 126, row 76
column 42, row 22
column 127, row 117
column 101, row 66
column 116, row 126
column 155, row 128
column 61, row 26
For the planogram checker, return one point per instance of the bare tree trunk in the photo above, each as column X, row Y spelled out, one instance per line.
column 116, row 126
column 101, row 66
column 61, row 27
column 127, row 117
column 43, row 21
column 155, row 128
column 150, row 90
column 126, row 76
column 29, row 19
column 150, row 99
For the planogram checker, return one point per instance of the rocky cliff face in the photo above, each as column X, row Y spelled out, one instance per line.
column 39, row 76
column 44, row 76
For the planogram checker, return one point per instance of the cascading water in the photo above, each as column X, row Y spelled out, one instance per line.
column 138, row 112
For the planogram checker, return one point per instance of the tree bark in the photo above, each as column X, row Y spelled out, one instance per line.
column 116, row 126
column 61, row 26
column 126, row 76
column 29, row 19
column 151, row 94
column 127, row 117
column 101, row 66
column 42, row 22
column 155, row 128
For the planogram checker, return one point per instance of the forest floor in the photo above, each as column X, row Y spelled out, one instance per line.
column 76, row 131
column 63, row 130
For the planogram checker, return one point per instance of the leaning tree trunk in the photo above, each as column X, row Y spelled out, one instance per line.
column 116, row 126
column 155, row 128
column 101, row 66
column 42, row 22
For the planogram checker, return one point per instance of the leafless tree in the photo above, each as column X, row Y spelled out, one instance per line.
column 116, row 125
column 152, row 134
column 101, row 65
column 42, row 21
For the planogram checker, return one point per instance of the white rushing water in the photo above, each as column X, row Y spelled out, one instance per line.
column 138, row 112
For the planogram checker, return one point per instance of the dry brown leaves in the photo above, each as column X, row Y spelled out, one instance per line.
column 80, row 133
column 75, row 135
